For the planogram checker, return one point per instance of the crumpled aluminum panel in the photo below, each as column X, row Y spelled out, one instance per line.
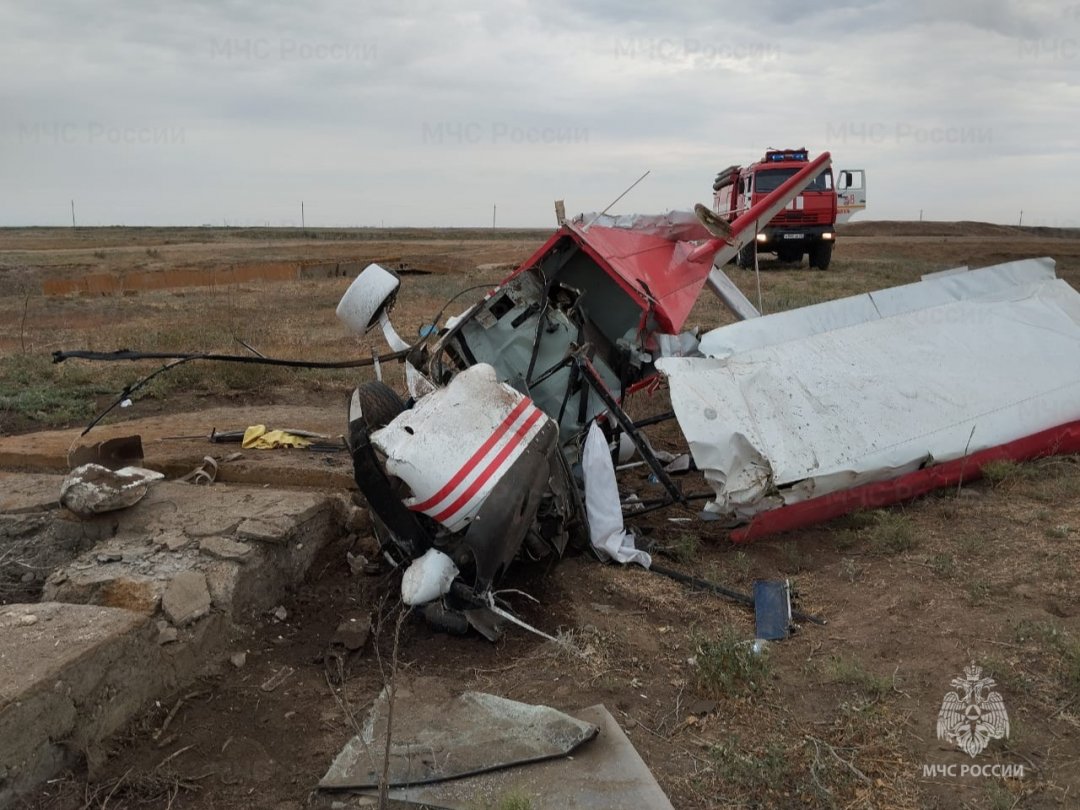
column 438, row 734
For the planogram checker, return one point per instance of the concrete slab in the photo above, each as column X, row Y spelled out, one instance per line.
column 47, row 451
column 61, row 690
column 21, row 493
column 77, row 666
column 250, row 544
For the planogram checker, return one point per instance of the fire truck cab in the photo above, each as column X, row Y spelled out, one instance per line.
column 808, row 224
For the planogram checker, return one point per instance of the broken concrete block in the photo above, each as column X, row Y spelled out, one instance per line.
column 223, row 548
column 238, row 659
column 112, row 585
column 60, row 699
column 224, row 580
column 265, row 530
column 91, row 489
column 352, row 633
column 173, row 540
column 186, row 598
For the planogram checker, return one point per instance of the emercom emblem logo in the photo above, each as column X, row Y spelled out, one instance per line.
column 973, row 715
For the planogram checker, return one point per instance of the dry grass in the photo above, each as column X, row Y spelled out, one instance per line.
column 841, row 716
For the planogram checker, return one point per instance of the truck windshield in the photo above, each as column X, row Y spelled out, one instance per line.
column 768, row 180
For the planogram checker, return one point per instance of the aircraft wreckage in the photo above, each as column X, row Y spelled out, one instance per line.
column 500, row 452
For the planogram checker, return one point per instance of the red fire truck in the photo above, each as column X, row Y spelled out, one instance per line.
column 808, row 224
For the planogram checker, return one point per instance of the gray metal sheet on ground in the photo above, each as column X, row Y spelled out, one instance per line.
column 604, row 774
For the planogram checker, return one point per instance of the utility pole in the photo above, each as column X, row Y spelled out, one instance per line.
column 73, row 214
column 1021, row 222
column 303, row 224
column 493, row 207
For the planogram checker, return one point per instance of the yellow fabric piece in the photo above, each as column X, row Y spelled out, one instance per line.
column 257, row 437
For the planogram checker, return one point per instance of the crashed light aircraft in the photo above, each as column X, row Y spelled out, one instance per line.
column 793, row 418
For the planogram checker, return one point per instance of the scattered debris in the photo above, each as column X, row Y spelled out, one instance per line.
column 279, row 613
column 123, row 451
column 352, row 633
column 772, row 609
column 91, row 489
column 238, row 659
column 257, row 437
column 607, row 535
column 205, row 473
column 719, row 590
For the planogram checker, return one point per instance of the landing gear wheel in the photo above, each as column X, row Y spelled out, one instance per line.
column 821, row 255
column 376, row 402
column 745, row 258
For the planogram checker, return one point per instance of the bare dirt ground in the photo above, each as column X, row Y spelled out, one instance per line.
column 837, row 716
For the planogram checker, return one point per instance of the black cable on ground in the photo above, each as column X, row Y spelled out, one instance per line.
column 129, row 354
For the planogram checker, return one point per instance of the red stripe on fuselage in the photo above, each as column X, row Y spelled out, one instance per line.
column 481, row 479
column 475, row 459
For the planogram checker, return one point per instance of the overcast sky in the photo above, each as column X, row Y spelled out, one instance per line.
column 424, row 113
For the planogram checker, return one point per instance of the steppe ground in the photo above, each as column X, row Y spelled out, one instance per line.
column 837, row 716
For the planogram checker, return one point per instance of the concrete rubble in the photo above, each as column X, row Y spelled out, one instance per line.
column 138, row 603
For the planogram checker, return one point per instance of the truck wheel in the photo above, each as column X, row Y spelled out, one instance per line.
column 745, row 258
column 378, row 404
column 821, row 255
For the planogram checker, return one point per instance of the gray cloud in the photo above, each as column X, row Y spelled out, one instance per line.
column 427, row 113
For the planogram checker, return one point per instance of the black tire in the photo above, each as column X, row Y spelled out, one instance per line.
column 821, row 255
column 379, row 403
column 745, row 257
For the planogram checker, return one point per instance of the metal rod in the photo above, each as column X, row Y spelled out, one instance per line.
column 249, row 347
column 653, row 420
column 617, row 199
column 656, row 504
column 596, row 382
column 131, row 389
